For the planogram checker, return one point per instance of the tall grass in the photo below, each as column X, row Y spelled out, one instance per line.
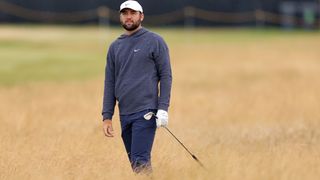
column 246, row 104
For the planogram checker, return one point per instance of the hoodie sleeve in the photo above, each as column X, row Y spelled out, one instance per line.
column 162, row 60
column 109, row 99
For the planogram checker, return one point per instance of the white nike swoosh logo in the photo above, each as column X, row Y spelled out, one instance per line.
column 136, row 50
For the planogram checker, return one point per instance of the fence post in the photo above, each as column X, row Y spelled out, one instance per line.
column 260, row 18
column 288, row 10
column 104, row 16
column 189, row 15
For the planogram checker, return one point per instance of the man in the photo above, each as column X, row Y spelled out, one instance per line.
column 137, row 62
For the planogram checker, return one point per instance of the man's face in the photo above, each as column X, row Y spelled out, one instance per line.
column 130, row 19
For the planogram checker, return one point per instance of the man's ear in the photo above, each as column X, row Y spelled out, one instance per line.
column 141, row 17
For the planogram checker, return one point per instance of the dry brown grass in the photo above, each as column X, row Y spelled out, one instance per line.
column 248, row 110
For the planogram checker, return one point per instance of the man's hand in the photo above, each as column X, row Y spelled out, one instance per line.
column 107, row 128
column 162, row 118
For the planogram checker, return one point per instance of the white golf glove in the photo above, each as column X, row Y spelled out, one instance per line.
column 163, row 118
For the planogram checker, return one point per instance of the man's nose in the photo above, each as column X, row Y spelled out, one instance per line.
column 129, row 16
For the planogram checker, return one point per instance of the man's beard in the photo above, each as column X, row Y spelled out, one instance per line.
column 132, row 27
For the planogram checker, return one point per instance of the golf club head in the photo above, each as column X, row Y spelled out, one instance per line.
column 148, row 116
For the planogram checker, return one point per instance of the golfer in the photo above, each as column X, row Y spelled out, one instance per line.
column 138, row 77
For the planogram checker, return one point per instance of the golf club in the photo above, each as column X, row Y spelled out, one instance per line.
column 149, row 115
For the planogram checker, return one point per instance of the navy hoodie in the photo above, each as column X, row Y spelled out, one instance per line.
column 136, row 65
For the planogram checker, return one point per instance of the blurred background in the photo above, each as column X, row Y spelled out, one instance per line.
column 280, row 13
column 245, row 97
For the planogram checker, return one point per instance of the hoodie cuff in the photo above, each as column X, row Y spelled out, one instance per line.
column 106, row 116
column 163, row 107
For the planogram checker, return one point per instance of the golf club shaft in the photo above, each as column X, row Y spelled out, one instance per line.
column 193, row 156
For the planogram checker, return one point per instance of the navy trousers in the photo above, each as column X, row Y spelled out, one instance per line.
column 138, row 136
